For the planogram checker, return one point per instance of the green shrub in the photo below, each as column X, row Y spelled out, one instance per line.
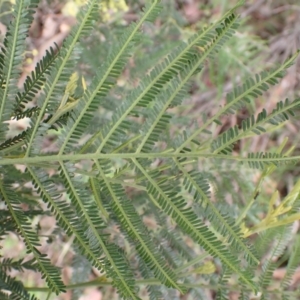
column 146, row 204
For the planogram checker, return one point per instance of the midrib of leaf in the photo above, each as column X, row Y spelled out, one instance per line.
column 106, row 75
column 28, row 243
column 220, row 218
column 11, row 59
column 233, row 102
column 93, row 184
column 192, row 231
column 96, row 234
column 160, row 75
column 61, row 216
column 71, row 46
column 133, row 230
column 93, row 156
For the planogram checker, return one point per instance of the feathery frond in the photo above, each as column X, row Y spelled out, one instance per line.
column 12, row 58
column 138, row 199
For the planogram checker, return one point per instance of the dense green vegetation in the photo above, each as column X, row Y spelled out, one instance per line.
column 143, row 151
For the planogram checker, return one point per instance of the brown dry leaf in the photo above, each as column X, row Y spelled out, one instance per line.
column 280, row 273
column 91, row 294
column 3, row 29
column 192, row 11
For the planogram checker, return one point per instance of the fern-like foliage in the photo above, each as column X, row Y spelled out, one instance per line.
column 133, row 150
column 225, row 142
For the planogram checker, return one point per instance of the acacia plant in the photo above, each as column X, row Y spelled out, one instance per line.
column 141, row 201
